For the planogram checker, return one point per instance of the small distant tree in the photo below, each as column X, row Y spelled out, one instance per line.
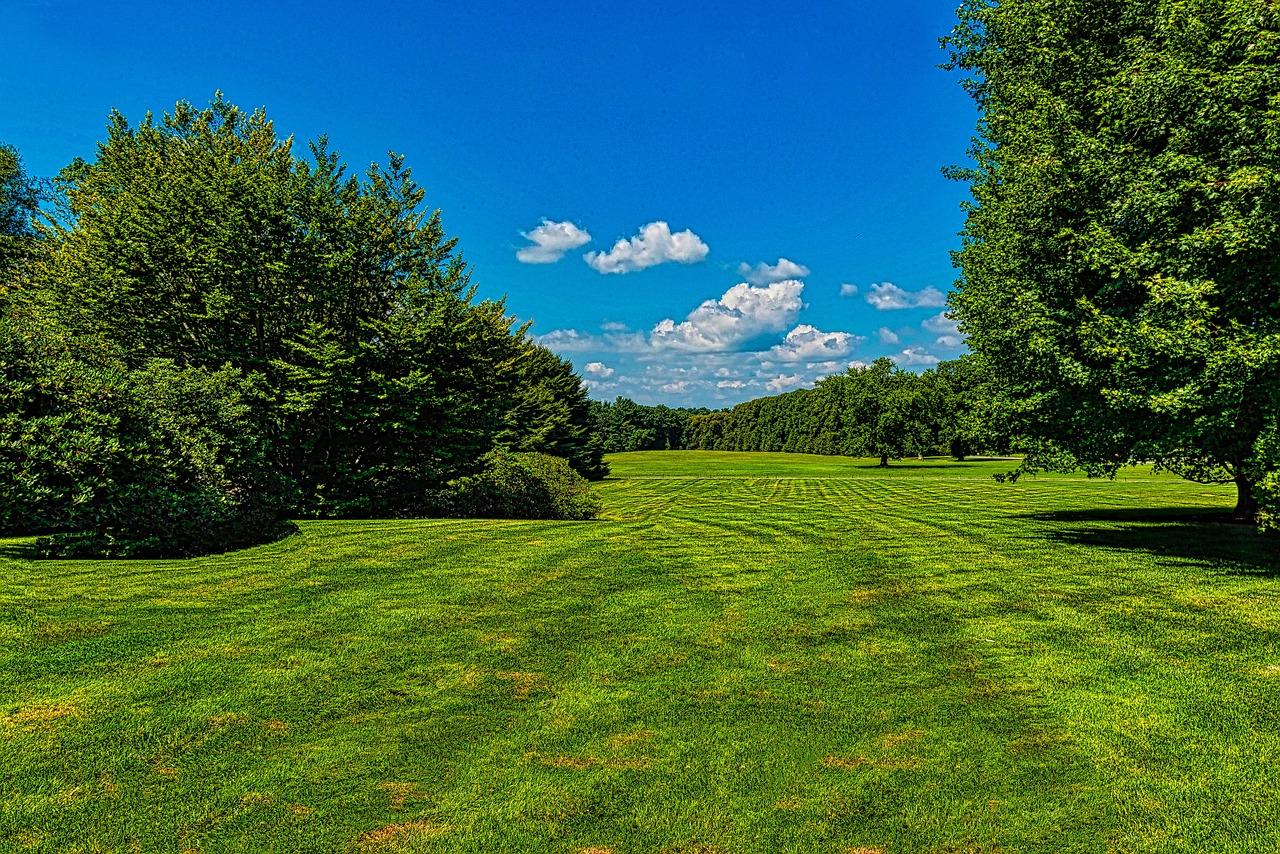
column 878, row 411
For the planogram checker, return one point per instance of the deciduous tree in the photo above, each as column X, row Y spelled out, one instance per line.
column 1120, row 271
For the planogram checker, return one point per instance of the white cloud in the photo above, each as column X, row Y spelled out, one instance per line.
column 915, row 356
column 805, row 343
column 941, row 324
column 598, row 369
column 742, row 313
column 731, row 384
column 887, row 297
column 782, row 382
column 847, row 290
column 573, row 341
column 613, row 326
column 949, row 341
column 655, row 244
column 763, row 274
column 568, row 341
column 680, row 387
column 551, row 240
column 887, row 335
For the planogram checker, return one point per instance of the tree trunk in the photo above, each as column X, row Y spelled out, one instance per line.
column 884, row 460
column 1246, row 504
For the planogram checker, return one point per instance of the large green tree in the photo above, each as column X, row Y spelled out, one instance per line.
column 202, row 237
column 1120, row 271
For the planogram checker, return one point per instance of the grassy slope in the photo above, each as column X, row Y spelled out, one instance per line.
column 748, row 653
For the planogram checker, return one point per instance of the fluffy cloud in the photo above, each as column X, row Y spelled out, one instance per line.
column 886, row 335
column 568, row 341
column 847, row 290
column 915, row 356
column 681, row 387
column 550, row 241
column 613, row 326
column 735, row 384
column 807, row 344
column 782, row 383
column 655, row 244
column 763, row 274
column 744, row 312
column 598, row 369
column 941, row 324
column 573, row 341
column 949, row 341
column 887, row 297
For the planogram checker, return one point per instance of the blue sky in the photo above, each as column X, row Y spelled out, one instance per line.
column 741, row 197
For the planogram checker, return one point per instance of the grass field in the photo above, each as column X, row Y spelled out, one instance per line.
column 748, row 652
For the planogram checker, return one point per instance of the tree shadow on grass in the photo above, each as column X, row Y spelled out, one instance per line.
column 18, row 548
column 1208, row 539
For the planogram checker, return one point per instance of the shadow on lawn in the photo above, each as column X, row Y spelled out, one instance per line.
column 1212, row 540
column 18, row 548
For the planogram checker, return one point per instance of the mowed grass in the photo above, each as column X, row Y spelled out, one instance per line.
column 748, row 652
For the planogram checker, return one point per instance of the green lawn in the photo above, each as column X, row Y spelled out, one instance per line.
column 748, row 652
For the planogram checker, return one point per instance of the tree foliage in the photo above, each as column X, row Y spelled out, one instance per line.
column 877, row 410
column 625, row 425
column 119, row 462
column 551, row 413
column 522, row 485
column 328, row 316
column 1119, row 272
column 20, row 196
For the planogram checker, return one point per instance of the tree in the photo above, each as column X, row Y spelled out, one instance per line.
column 1120, row 270
column 201, row 237
column 19, row 204
column 551, row 413
column 158, row 460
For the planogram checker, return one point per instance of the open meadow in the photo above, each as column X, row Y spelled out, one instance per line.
column 745, row 653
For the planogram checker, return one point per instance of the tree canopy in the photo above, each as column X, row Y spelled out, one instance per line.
column 19, row 204
column 1120, row 270
column 330, row 315
column 876, row 410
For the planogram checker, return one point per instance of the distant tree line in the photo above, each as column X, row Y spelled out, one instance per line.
column 874, row 411
column 625, row 425
column 212, row 334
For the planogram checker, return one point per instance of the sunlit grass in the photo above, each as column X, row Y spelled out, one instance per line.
column 749, row 652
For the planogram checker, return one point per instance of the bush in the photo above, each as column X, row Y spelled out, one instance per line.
column 523, row 486
column 106, row 462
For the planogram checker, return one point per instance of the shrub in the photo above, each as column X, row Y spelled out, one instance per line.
column 523, row 486
column 158, row 462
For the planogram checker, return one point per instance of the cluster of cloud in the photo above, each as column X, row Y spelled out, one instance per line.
column 551, row 240
column 946, row 328
column 889, row 297
column 764, row 274
column 807, row 344
column 915, row 356
column 744, row 312
column 720, row 351
column 654, row 245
